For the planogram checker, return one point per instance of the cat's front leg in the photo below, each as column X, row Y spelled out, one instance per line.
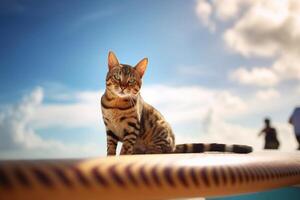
column 112, row 142
column 129, row 140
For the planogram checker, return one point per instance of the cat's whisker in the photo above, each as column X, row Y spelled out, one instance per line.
column 131, row 101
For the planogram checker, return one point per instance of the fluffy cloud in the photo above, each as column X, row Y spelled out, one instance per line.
column 286, row 136
column 266, row 28
column 266, row 95
column 15, row 132
column 19, row 138
column 227, row 9
column 255, row 76
column 71, row 115
column 204, row 11
column 298, row 90
column 286, row 67
column 261, row 28
column 189, row 103
column 209, row 11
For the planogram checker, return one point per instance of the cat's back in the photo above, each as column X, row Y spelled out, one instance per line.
column 155, row 129
column 152, row 117
column 149, row 110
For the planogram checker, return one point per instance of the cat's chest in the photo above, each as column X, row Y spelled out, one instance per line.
column 115, row 122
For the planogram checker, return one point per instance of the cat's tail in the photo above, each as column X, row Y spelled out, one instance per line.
column 204, row 147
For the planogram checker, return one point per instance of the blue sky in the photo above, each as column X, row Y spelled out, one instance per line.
column 45, row 41
column 53, row 59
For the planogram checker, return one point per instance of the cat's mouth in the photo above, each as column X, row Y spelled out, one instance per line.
column 122, row 94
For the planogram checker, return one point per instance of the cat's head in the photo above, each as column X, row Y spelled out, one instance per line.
column 124, row 80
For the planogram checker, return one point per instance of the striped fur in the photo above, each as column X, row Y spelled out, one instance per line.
column 140, row 127
column 204, row 147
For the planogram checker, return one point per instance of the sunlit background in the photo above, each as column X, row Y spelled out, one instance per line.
column 216, row 70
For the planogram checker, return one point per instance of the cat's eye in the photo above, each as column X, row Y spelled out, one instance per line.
column 131, row 81
column 117, row 76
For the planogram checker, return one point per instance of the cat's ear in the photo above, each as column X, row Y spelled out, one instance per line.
column 141, row 67
column 112, row 60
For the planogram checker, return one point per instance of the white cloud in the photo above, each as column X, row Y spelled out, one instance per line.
column 227, row 9
column 266, row 28
column 298, row 90
column 267, row 95
column 286, row 136
column 15, row 132
column 287, row 67
column 20, row 140
column 204, row 11
column 218, row 130
column 188, row 103
column 262, row 28
column 256, row 76
column 72, row 115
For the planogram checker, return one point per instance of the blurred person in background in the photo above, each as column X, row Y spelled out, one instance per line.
column 295, row 121
column 271, row 141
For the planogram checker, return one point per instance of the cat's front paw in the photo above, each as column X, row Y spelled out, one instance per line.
column 126, row 151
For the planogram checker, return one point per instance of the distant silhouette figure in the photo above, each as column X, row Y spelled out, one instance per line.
column 271, row 141
column 295, row 121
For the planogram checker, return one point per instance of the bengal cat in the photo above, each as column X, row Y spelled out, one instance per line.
column 140, row 127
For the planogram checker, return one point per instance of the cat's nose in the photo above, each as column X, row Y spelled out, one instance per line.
column 122, row 87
